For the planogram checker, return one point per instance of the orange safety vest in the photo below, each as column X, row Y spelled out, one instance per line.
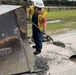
column 40, row 16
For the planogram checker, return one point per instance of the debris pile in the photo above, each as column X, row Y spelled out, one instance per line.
column 42, row 63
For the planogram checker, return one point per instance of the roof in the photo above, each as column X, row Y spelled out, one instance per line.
column 7, row 8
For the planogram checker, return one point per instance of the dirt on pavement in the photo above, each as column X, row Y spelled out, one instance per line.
column 55, row 60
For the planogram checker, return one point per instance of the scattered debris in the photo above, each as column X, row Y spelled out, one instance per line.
column 42, row 63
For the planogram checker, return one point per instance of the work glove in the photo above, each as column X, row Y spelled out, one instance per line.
column 28, row 19
column 44, row 30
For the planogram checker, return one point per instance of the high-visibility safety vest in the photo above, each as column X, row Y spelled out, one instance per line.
column 40, row 16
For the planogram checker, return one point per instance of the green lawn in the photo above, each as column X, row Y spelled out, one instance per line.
column 68, row 17
column 63, row 14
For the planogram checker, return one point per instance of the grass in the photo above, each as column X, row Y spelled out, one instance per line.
column 63, row 14
column 57, row 26
column 68, row 17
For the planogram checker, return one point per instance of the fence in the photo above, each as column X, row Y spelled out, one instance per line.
column 49, row 8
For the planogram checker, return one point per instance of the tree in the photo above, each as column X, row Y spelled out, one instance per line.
column 61, row 2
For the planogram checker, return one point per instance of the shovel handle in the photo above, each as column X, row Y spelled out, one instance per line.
column 42, row 31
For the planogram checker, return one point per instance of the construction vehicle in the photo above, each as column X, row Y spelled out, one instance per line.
column 16, row 55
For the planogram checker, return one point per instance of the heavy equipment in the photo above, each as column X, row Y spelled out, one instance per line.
column 16, row 55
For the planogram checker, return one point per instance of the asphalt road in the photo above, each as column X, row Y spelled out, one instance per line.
column 58, row 59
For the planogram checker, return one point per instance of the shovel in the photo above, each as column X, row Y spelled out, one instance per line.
column 57, row 43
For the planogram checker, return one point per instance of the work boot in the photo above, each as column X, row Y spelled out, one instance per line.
column 37, row 52
column 34, row 46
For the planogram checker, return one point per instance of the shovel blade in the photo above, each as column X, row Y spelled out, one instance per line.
column 57, row 43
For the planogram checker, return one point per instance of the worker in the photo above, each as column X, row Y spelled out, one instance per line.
column 37, row 15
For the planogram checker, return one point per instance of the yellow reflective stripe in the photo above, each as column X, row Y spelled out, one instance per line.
column 32, row 12
column 40, row 17
column 44, row 14
column 31, row 17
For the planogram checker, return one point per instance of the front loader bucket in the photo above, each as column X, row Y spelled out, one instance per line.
column 16, row 55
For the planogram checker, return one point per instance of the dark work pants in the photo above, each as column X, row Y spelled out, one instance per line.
column 38, row 38
column 37, row 35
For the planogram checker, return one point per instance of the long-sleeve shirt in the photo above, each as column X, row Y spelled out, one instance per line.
column 43, row 20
